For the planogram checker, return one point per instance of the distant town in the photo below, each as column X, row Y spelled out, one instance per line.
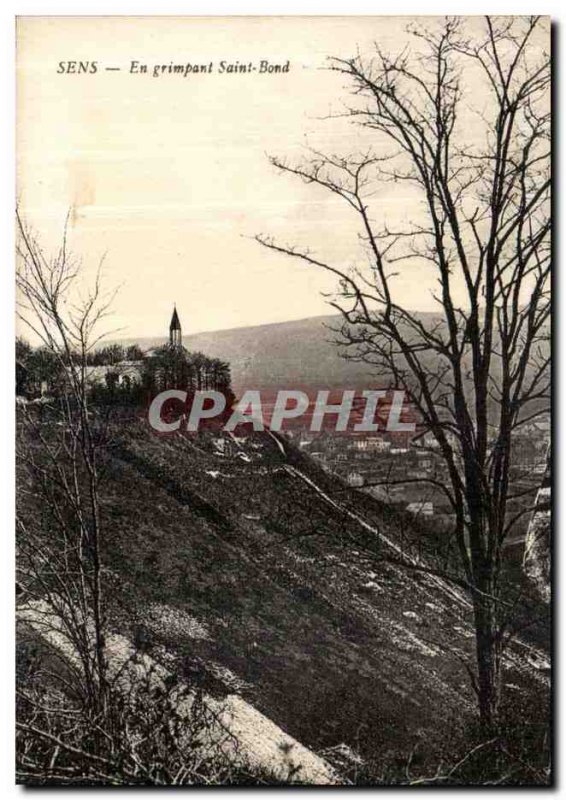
column 395, row 469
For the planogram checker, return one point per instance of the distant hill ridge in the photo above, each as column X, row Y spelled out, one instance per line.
column 280, row 354
column 287, row 355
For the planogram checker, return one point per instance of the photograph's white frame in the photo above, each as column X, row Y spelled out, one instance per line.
column 12, row 8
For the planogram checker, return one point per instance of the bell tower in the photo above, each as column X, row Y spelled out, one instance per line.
column 175, row 332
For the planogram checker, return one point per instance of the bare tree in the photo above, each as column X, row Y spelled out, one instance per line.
column 84, row 715
column 479, row 371
column 59, row 528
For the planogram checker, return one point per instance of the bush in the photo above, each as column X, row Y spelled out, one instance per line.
column 141, row 737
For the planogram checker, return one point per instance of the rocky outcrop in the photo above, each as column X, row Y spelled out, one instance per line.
column 537, row 555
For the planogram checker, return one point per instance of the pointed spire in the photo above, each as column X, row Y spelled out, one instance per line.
column 175, row 333
column 175, row 324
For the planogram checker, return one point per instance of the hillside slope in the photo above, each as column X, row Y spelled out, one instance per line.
column 269, row 578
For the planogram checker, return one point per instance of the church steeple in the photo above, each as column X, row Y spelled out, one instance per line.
column 175, row 332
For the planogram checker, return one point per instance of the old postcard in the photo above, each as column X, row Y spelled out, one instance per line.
column 283, row 401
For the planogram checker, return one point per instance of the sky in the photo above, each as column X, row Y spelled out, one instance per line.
column 167, row 177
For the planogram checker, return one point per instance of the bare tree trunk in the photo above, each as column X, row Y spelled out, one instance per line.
column 487, row 655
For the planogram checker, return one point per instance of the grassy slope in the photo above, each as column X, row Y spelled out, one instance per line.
column 332, row 644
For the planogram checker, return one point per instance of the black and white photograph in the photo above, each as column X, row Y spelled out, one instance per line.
column 283, row 389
